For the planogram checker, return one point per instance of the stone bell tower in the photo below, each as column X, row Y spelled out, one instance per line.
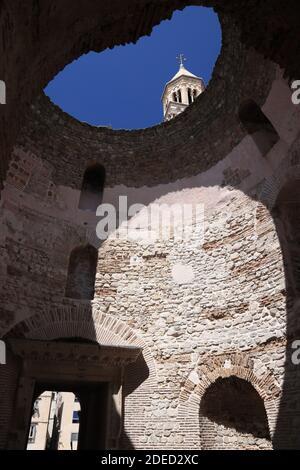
column 181, row 91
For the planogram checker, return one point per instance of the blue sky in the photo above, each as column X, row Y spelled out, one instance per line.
column 122, row 87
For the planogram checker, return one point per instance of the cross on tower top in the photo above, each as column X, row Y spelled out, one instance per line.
column 181, row 59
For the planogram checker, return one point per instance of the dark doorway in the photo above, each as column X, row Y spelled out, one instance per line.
column 233, row 416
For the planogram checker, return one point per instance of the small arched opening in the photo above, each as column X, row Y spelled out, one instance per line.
column 82, row 273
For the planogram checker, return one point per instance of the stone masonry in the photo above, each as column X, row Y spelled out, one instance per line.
column 215, row 313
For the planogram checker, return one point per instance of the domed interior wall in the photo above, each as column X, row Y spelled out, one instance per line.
column 232, row 295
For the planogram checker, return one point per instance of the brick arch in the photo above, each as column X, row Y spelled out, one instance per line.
column 77, row 321
column 83, row 321
column 206, row 374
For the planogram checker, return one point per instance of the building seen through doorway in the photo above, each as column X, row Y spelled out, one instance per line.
column 55, row 422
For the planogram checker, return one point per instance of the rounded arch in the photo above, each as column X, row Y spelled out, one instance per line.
column 175, row 135
column 76, row 321
column 82, row 272
column 206, row 374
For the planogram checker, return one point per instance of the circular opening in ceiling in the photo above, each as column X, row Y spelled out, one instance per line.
column 122, row 88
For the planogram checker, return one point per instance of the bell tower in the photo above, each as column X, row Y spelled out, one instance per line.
column 181, row 91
